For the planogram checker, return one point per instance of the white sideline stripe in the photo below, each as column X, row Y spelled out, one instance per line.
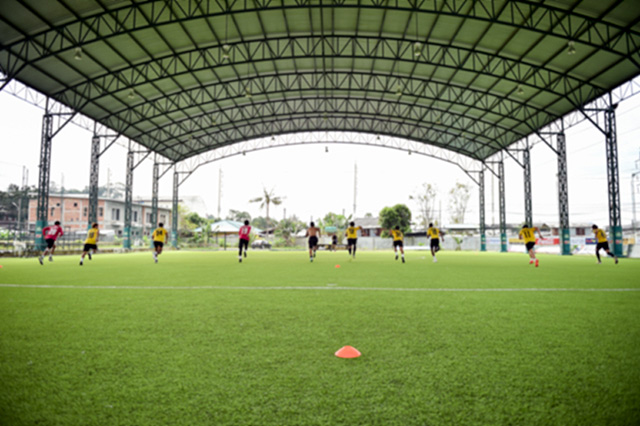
column 332, row 288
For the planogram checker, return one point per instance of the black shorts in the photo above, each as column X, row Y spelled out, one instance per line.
column 243, row 243
column 50, row 242
column 435, row 242
column 88, row 247
column 398, row 243
column 352, row 241
column 313, row 241
column 530, row 245
column 604, row 246
column 158, row 244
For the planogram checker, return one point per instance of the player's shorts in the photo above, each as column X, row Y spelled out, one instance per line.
column 530, row 245
column 604, row 246
column 158, row 244
column 398, row 243
column 88, row 247
column 435, row 242
column 243, row 243
column 50, row 242
column 352, row 241
column 313, row 241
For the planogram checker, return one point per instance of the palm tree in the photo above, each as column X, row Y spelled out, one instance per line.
column 267, row 198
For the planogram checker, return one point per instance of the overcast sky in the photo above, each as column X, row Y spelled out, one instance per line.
column 315, row 182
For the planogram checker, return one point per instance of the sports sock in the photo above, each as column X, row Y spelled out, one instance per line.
column 598, row 255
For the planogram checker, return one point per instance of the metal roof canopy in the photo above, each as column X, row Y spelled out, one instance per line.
column 185, row 77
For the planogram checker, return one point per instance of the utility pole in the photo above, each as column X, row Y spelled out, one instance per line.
column 355, row 187
column 25, row 184
column 62, row 198
column 219, row 192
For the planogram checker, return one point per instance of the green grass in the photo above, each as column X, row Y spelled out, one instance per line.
column 224, row 354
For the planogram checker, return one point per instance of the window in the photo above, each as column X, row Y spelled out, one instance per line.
column 100, row 211
column 75, row 204
column 148, row 217
column 135, row 216
column 53, row 209
column 115, row 214
column 365, row 232
column 163, row 218
column 85, row 212
column 57, row 204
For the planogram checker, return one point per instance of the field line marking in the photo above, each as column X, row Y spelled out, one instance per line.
column 332, row 288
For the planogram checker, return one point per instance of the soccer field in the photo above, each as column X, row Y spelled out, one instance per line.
column 475, row 339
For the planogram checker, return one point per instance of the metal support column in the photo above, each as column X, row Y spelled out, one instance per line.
column 154, row 195
column 528, row 209
column 503, row 211
column 93, row 181
column 43, row 178
column 174, row 211
column 563, row 196
column 615, row 222
column 483, row 233
column 128, row 201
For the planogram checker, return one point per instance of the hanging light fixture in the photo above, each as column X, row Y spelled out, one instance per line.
column 78, row 54
column 132, row 94
column 417, row 49
column 326, row 149
column 571, row 48
column 399, row 91
column 520, row 90
column 225, row 51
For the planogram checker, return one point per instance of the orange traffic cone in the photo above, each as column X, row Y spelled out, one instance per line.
column 348, row 352
column 337, row 266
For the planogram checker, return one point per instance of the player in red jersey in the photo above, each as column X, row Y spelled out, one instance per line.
column 51, row 234
column 244, row 239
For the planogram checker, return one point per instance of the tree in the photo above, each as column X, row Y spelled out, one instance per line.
column 261, row 223
column 238, row 216
column 334, row 219
column 288, row 228
column 425, row 199
column 398, row 215
column 266, row 200
column 458, row 200
column 14, row 198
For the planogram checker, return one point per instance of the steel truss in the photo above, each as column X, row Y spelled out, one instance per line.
column 53, row 121
column 613, row 179
column 563, row 195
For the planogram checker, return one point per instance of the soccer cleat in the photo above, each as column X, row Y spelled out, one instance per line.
column 403, row 260
column 245, row 253
column 599, row 262
column 81, row 263
column 240, row 259
column 531, row 262
column 311, row 259
column 89, row 255
column 397, row 257
column 616, row 260
column 40, row 260
column 50, row 258
column 156, row 260
column 537, row 263
column 435, row 260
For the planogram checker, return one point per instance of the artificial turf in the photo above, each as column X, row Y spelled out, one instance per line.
column 477, row 338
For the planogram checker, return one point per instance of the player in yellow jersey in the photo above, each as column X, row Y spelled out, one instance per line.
column 159, row 238
column 435, row 234
column 603, row 244
column 91, row 243
column 398, row 238
column 352, row 238
column 529, row 235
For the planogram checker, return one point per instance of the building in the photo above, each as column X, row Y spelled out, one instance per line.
column 72, row 210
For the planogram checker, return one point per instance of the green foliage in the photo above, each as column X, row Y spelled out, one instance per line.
column 263, row 223
column 238, row 216
column 334, row 219
column 287, row 229
column 425, row 200
column 458, row 200
column 232, row 356
column 398, row 215
column 267, row 199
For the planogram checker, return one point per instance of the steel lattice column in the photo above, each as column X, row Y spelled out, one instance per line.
column 483, row 233
column 503, row 211
column 154, row 196
column 563, row 196
column 43, row 179
column 93, row 180
column 128, row 201
column 528, row 210
column 174, row 211
column 613, row 178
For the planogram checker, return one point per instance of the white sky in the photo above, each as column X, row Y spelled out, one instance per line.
column 315, row 183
